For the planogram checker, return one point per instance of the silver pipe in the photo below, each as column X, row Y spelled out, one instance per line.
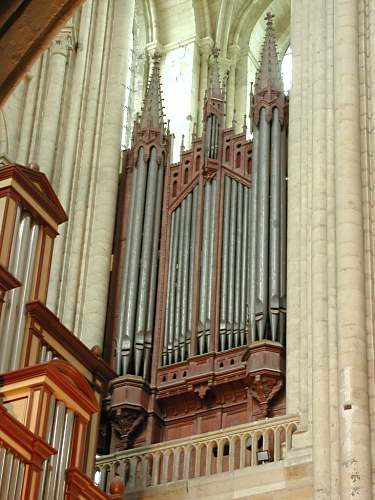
column 232, row 260
column 168, row 310
column 154, row 271
column 274, row 258
column 185, row 277
column 261, row 306
column 283, row 237
column 64, row 455
column 56, row 442
column 204, row 269
column 208, row 135
column 19, row 483
column 3, row 453
column 178, row 313
column 135, row 251
column 253, row 237
column 10, row 314
column 19, row 330
column 125, row 275
column 43, row 353
column 48, row 439
column 224, row 264
column 191, row 266
column 49, row 356
column 173, row 271
column 145, row 263
column 244, row 265
column 7, row 472
column 213, row 136
column 238, row 272
column 13, row 479
column 210, row 269
column 216, row 138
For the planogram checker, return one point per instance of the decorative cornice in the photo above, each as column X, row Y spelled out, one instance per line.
column 65, row 41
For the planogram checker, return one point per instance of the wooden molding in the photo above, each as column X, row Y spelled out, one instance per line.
column 79, row 486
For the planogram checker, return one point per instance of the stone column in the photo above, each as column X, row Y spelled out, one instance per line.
column 58, row 61
column 205, row 46
column 234, row 51
column 105, row 196
column 355, row 458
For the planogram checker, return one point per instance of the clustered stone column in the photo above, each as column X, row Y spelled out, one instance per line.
column 205, row 45
column 327, row 375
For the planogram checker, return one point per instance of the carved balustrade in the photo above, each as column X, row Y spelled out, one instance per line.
column 207, row 454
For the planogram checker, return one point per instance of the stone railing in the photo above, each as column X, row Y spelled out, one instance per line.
column 237, row 447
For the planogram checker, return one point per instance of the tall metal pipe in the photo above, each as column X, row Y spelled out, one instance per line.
column 253, row 236
column 10, row 314
column 168, row 310
column 48, row 439
column 135, row 250
column 178, row 312
column 56, row 439
column 19, row 326
column 64, row 455
column 13, row 479
column 185, row 277
column 125, row 275
column 232, row 262
column 193, row 236
column 145, row 263
column 274, row 249
column 238, row 272
column 283, row 236
column 172, row 292
column 154, row 271
column 7, row 471
column 225, row 263
column 208, row 135
column 210, row 270
column 3, row 453
column 204, row 269
column 261, row 306
column 244, row 271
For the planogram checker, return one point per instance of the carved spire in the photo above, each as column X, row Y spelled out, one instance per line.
column 214, row 87
column 269, row 73
column 152, row 115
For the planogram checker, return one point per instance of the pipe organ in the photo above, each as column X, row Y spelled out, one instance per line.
column 197, row 311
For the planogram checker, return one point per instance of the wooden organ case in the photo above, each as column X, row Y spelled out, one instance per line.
column 218, row 310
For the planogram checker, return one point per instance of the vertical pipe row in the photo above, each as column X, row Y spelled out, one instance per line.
column 274, row 258
column 168, row 307
column 171, row 324
column 185, row 277
column 191, row 265
column 154, row 272
column 134, row 249
column 225, row 264
column 13, row 318
column 261, row 299
column 64, row 454
column 210, row 269
column 238, row 265
column 232, row 261
column 178, row 311
column 145, row 263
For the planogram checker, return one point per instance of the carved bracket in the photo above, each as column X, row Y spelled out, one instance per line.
column 127, row 423
column 263, row 388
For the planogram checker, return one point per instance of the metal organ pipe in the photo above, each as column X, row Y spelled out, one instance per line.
column 178, row 312
column 232, row 261
column 64, row 454
column 283, row 236
column 238, row 265
column 225, row 264
column 274, row 258
column 172, row 308
column 211, row 232
column 193, row 236
column 135, row 250
column 124, row 286
column 154, row 271
column 185, row 276
column 145, row 263
column 253, row 237
column 244, row 273
column 261, row 306
column 168, row 311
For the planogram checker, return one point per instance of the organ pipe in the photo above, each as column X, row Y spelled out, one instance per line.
column 178, row 312
column 283, row 236
column 225, row 264
column 274, row 258
column 191, row 266
column 210, row 269
column 262, row 226
column 232, row 261
column 145, row 263
column 253, row 237
column 238, row 266
column 185, row 277
column 244, row 264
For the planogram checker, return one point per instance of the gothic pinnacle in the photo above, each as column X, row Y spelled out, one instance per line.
column 269, row 73
column 214, row 87
column 152, row 115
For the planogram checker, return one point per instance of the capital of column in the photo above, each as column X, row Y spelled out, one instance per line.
column 64, row 42
column 234, row 53
column 154, row 48
column 205, row 46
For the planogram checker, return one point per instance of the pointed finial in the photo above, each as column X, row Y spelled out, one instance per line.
column 152, row 115
column 244, row 126
column 234, row 119
column 214, row 87
column 269, row 73
column 182, row 147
